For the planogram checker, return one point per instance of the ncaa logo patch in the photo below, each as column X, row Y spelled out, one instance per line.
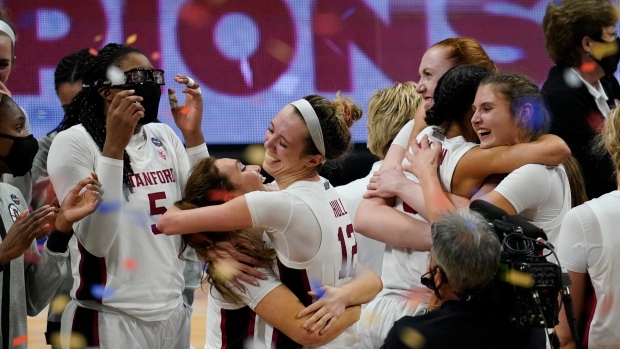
column 14, row 211
column 156, row 141
column 15, row 199
column 161, row 153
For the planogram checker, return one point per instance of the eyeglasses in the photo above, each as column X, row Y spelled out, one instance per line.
column 141, row 75
column 428, row 280
column 135, row 76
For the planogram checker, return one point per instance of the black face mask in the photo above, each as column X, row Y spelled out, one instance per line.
column 151, row 92
column 21, row 155
column 609, row 63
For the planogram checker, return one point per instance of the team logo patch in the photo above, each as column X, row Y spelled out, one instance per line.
column 14, row 211
column 156, row 141
column 161, row 153
column 15, row 199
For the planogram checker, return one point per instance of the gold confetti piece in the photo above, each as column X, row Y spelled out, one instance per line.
column 98, row 38
column 412, row 338
column 131, row 39
column 255, row 154
column 603, row 50
column 76, row 340
column 58, row 304
column 519, row 278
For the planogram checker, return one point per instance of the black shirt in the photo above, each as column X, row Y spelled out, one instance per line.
column 577, row 120
column 460, row 324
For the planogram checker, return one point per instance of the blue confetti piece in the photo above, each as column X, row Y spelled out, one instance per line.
column 317, row 288
column 108, row 207
column 100, row 291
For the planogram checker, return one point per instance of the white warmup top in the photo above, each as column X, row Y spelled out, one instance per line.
column 589, row 242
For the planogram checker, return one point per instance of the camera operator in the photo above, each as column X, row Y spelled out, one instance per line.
column 465, row 255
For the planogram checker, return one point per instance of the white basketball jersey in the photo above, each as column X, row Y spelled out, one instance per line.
column 334, row 263
column 142, row 274
column 604, row 326
column 403, row 267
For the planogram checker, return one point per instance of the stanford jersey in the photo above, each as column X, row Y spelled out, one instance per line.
column 120, row 261
column 402, row 267
column 309, row 216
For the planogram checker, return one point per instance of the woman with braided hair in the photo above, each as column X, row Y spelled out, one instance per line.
column 128, row 278
column 408, row 242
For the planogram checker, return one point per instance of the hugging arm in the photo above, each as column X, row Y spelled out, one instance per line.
column 376, row 219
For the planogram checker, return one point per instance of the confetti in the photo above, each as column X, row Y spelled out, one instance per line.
column 76, row 340
column 184, row 110
column 279, row 50
column 519, row 278
column 412, row 338
column 98, row 38
column 588, row 67
column 93, row 52
column 604, row 50
column 108, row 207
column 155, row 56
column 317, row 288
column 115, row 75
column 100, row 291
column 131, row 39
column 130, row 264
column 255, row 154
column 571, row 78
column 225, row 271
column 20, row 340
column 58, row 304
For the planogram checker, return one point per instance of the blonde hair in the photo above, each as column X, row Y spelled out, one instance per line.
column 611, row 136
column 389, row 109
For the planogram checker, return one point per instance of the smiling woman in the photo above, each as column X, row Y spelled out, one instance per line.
column 305, row 221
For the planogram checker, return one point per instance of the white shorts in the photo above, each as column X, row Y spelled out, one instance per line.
column 103, row 329
column 379, row 315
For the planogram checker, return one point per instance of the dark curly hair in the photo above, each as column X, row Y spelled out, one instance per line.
column 86, row 108
column 454, row 96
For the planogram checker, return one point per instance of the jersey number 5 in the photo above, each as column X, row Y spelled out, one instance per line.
column 155, row 210
column 347, row 269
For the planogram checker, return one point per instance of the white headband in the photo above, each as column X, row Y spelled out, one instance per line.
column 4, row 27
column 312, row 121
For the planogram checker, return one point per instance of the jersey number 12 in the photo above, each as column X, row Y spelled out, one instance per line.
column 348, row 268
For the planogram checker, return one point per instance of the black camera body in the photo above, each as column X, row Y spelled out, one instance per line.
column 529, row 307
column 527, row 286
